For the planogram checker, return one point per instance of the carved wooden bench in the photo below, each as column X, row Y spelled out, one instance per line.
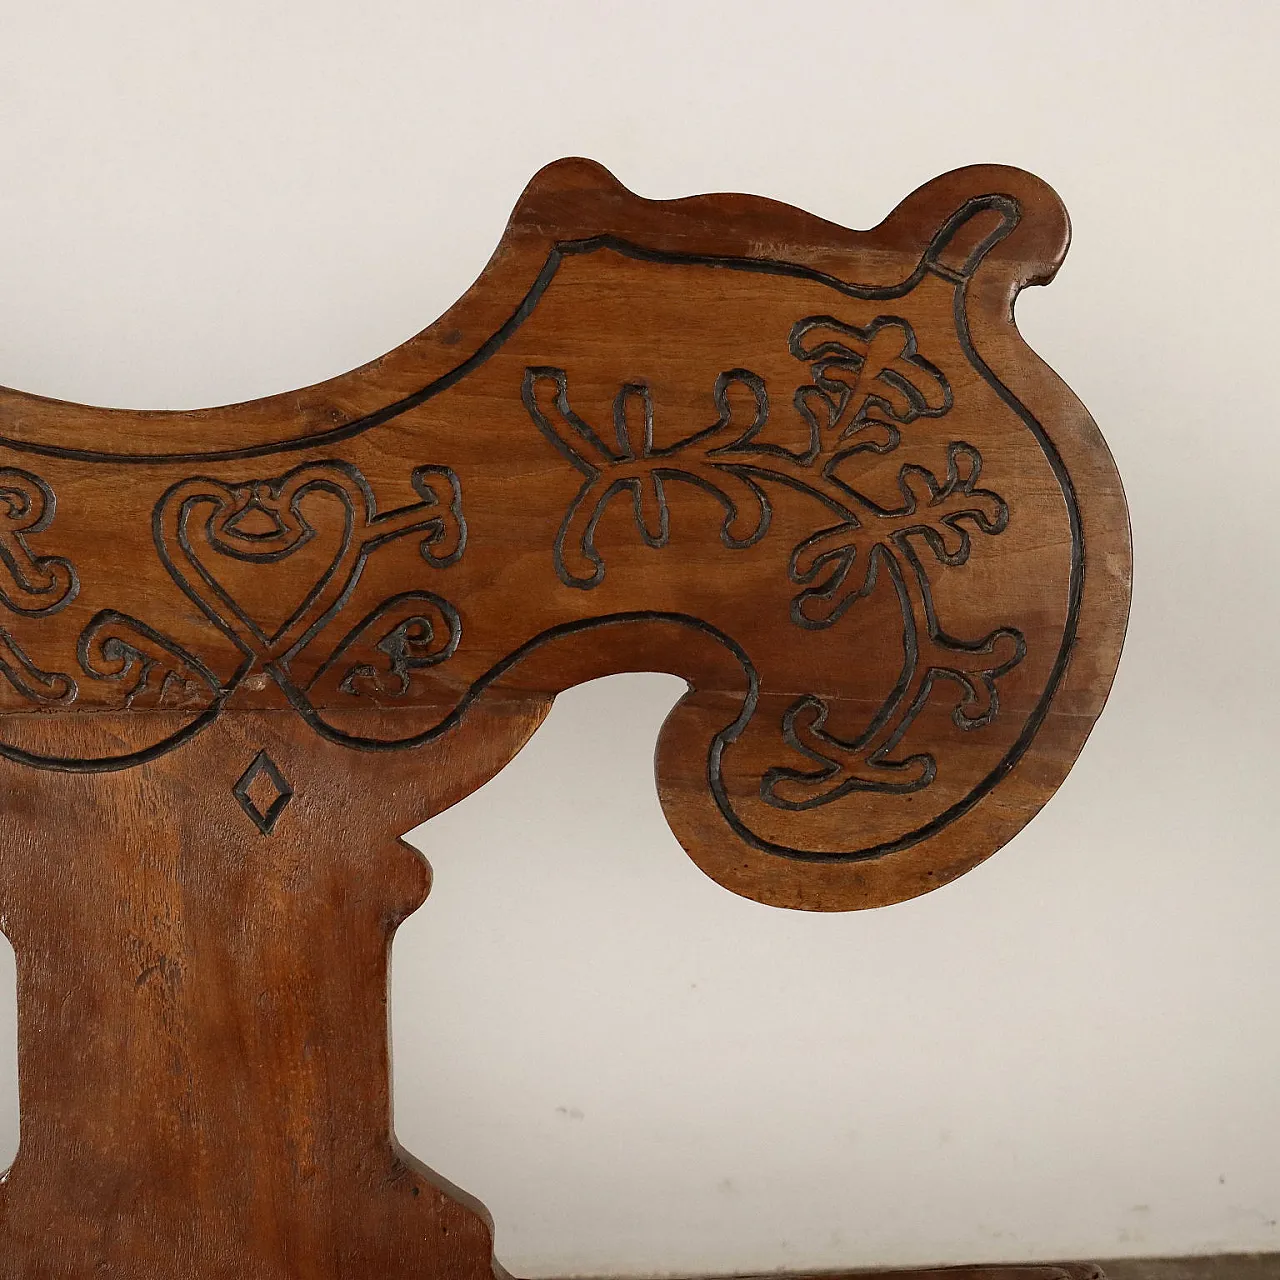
column 816, row 472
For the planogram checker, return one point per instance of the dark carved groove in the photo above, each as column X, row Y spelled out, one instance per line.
column 263, row 765
column 425, row 630
column 50, row 687
column 37, row 585
column 227, row 507
column 972, row 666
column 255, row 522
column 930, row 263
column 156, row 671
column 865, row 382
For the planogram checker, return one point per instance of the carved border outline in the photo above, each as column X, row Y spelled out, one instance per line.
column 1005, row 205
column 928, row 264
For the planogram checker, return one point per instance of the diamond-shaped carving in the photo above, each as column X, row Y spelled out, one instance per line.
column 263, row 792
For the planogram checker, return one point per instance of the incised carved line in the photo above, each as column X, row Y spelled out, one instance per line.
column 865, row 382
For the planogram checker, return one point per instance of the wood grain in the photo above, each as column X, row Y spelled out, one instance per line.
column 814, row 471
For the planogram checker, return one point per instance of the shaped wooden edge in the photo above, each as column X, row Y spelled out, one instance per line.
column 975, row 237
column 568, row 200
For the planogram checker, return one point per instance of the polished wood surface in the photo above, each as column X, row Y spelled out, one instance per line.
column 816, row 472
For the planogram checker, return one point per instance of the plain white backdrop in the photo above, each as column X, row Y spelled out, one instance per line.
column 1073, row 1051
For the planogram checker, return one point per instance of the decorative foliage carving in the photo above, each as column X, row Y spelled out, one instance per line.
column 31, row 585
column 273, row 560
column 867, row 382
column 264, row 522
column 635, row 466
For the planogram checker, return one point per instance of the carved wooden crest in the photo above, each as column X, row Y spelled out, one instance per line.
column 816, row 472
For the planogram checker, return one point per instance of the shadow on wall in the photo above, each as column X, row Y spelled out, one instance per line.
column 8, row 1055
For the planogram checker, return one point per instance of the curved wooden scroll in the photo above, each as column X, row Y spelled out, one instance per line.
column 816, row 472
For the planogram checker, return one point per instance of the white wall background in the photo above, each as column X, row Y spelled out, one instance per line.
column 1073, row 1051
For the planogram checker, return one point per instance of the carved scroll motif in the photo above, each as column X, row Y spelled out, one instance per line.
column 34, row 585
column 202, row 521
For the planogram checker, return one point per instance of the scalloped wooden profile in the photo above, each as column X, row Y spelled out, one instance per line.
column 814, row 471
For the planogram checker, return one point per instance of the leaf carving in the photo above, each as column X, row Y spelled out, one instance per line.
column 634, row 465
column 867, row 382
column 838, row 565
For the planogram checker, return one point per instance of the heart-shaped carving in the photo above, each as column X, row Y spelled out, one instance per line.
column 268, row 555
column 269, row 561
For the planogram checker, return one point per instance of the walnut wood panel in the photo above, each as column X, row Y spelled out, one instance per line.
column 814, row 471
